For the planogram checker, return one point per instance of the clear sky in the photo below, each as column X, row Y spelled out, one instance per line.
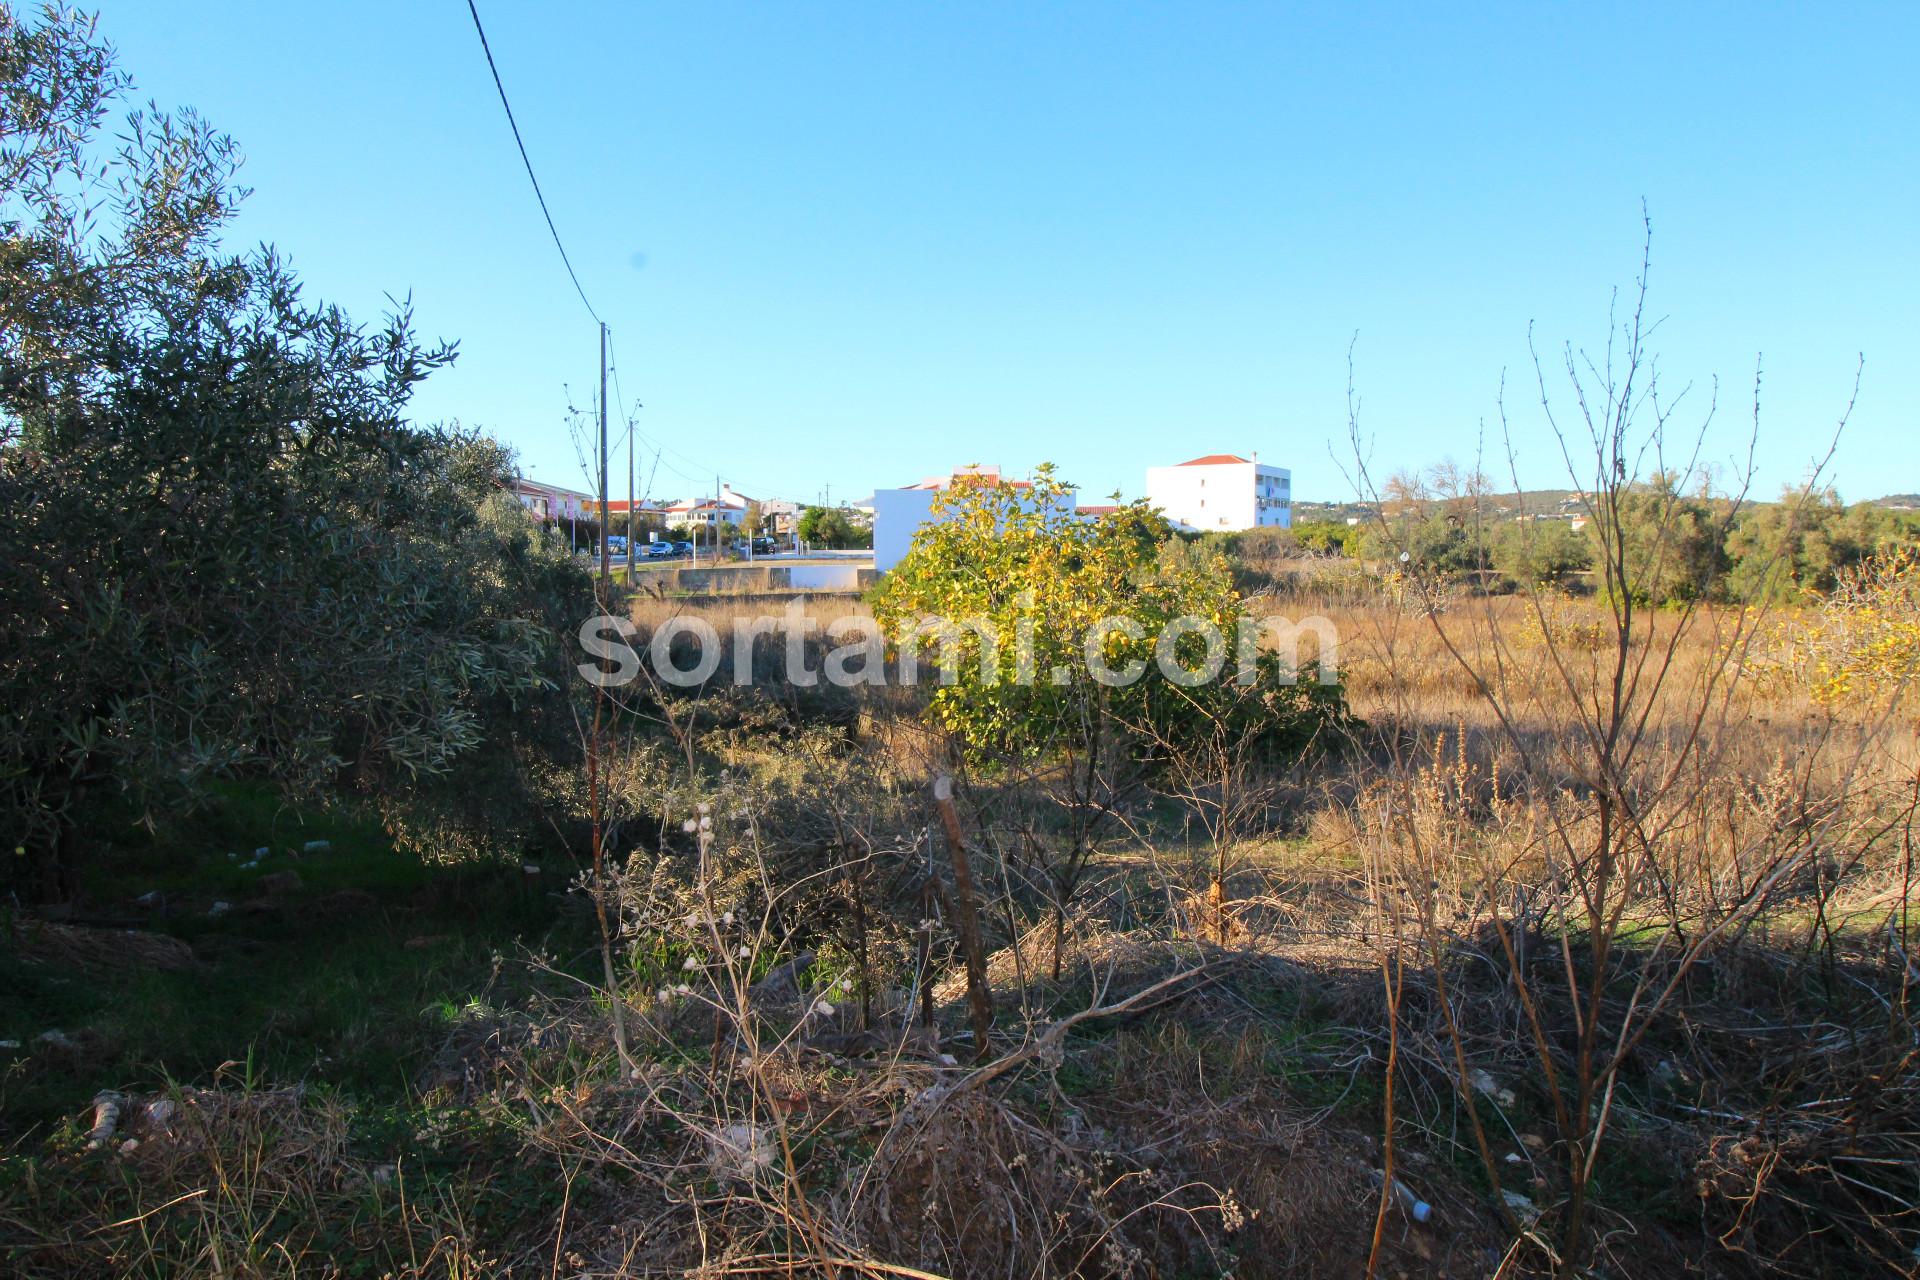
column 850, row 245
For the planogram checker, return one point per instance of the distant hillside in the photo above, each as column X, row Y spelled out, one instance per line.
column 1539, row 500
column 1530, row 500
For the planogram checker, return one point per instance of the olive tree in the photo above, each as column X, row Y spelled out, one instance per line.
column 224, row 550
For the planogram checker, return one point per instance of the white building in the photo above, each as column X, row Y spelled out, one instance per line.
column 729, row 508
column 1223, row 491
column 899, row 513
column 705, row 513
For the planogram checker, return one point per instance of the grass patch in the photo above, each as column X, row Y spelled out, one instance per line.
column 334, row 981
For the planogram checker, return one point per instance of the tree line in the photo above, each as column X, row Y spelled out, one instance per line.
column 1680, row 545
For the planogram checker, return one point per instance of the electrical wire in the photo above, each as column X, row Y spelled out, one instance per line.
column 659, row 448
column 528, row 162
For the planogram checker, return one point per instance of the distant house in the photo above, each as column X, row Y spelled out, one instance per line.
column 899, row 513
column 973, row 473
column 780, row 516
column 705, row 513
column 551, row 502
column 726, row 510
column 1223, row 491
column 648, row 518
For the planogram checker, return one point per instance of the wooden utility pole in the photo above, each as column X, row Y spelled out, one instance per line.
column 630, row 469
column 606, row 564
column 595, row 782
column 966, row 915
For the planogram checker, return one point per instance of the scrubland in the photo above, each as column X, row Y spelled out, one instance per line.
column 347, row 928
column 1423, row 957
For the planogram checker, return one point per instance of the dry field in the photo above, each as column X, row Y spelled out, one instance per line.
column 1611, row 910
column 1516, row 967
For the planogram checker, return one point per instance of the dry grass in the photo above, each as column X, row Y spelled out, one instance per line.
column 812, row 1124
column 238, row 1181
column 85, row 949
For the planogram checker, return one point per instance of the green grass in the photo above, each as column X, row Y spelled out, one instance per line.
column 319, row 987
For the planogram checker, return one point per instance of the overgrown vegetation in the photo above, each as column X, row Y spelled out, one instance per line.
column 1566, row 932
column 224, row 551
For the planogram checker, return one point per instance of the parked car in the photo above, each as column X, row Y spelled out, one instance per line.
column 764, row 546
column 682, row 548
column 657, row 550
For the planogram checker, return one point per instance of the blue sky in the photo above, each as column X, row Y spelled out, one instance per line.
column 849, row 245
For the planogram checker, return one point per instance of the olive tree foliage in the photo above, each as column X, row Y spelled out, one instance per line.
column 224, row 551
column 1667, row 546
column 1544, row 552
column 1802, row 547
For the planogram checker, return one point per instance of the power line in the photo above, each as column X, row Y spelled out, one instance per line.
column 658, row 447
column 619, row 400
column 526, row 160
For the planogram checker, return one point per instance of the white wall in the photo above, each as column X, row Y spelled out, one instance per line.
column 898, row 515
column 824, row 577
column 1228, row 495
column 1275, row 486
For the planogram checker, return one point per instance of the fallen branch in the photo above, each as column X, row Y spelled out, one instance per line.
column 1048, row 1041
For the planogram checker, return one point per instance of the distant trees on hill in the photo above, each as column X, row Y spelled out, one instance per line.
column 1678, row 546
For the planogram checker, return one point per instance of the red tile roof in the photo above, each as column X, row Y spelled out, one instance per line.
column 1215, row 460
column 968, row 475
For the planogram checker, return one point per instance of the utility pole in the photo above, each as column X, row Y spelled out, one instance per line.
column 630, row 469
column 606, row 563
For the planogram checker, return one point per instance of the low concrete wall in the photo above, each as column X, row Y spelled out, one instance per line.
column 757, row 579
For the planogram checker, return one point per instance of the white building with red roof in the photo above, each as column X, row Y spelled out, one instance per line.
column 727, row 509
column 1221, row 492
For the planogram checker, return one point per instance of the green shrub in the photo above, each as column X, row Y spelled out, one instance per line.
column 224, row 550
